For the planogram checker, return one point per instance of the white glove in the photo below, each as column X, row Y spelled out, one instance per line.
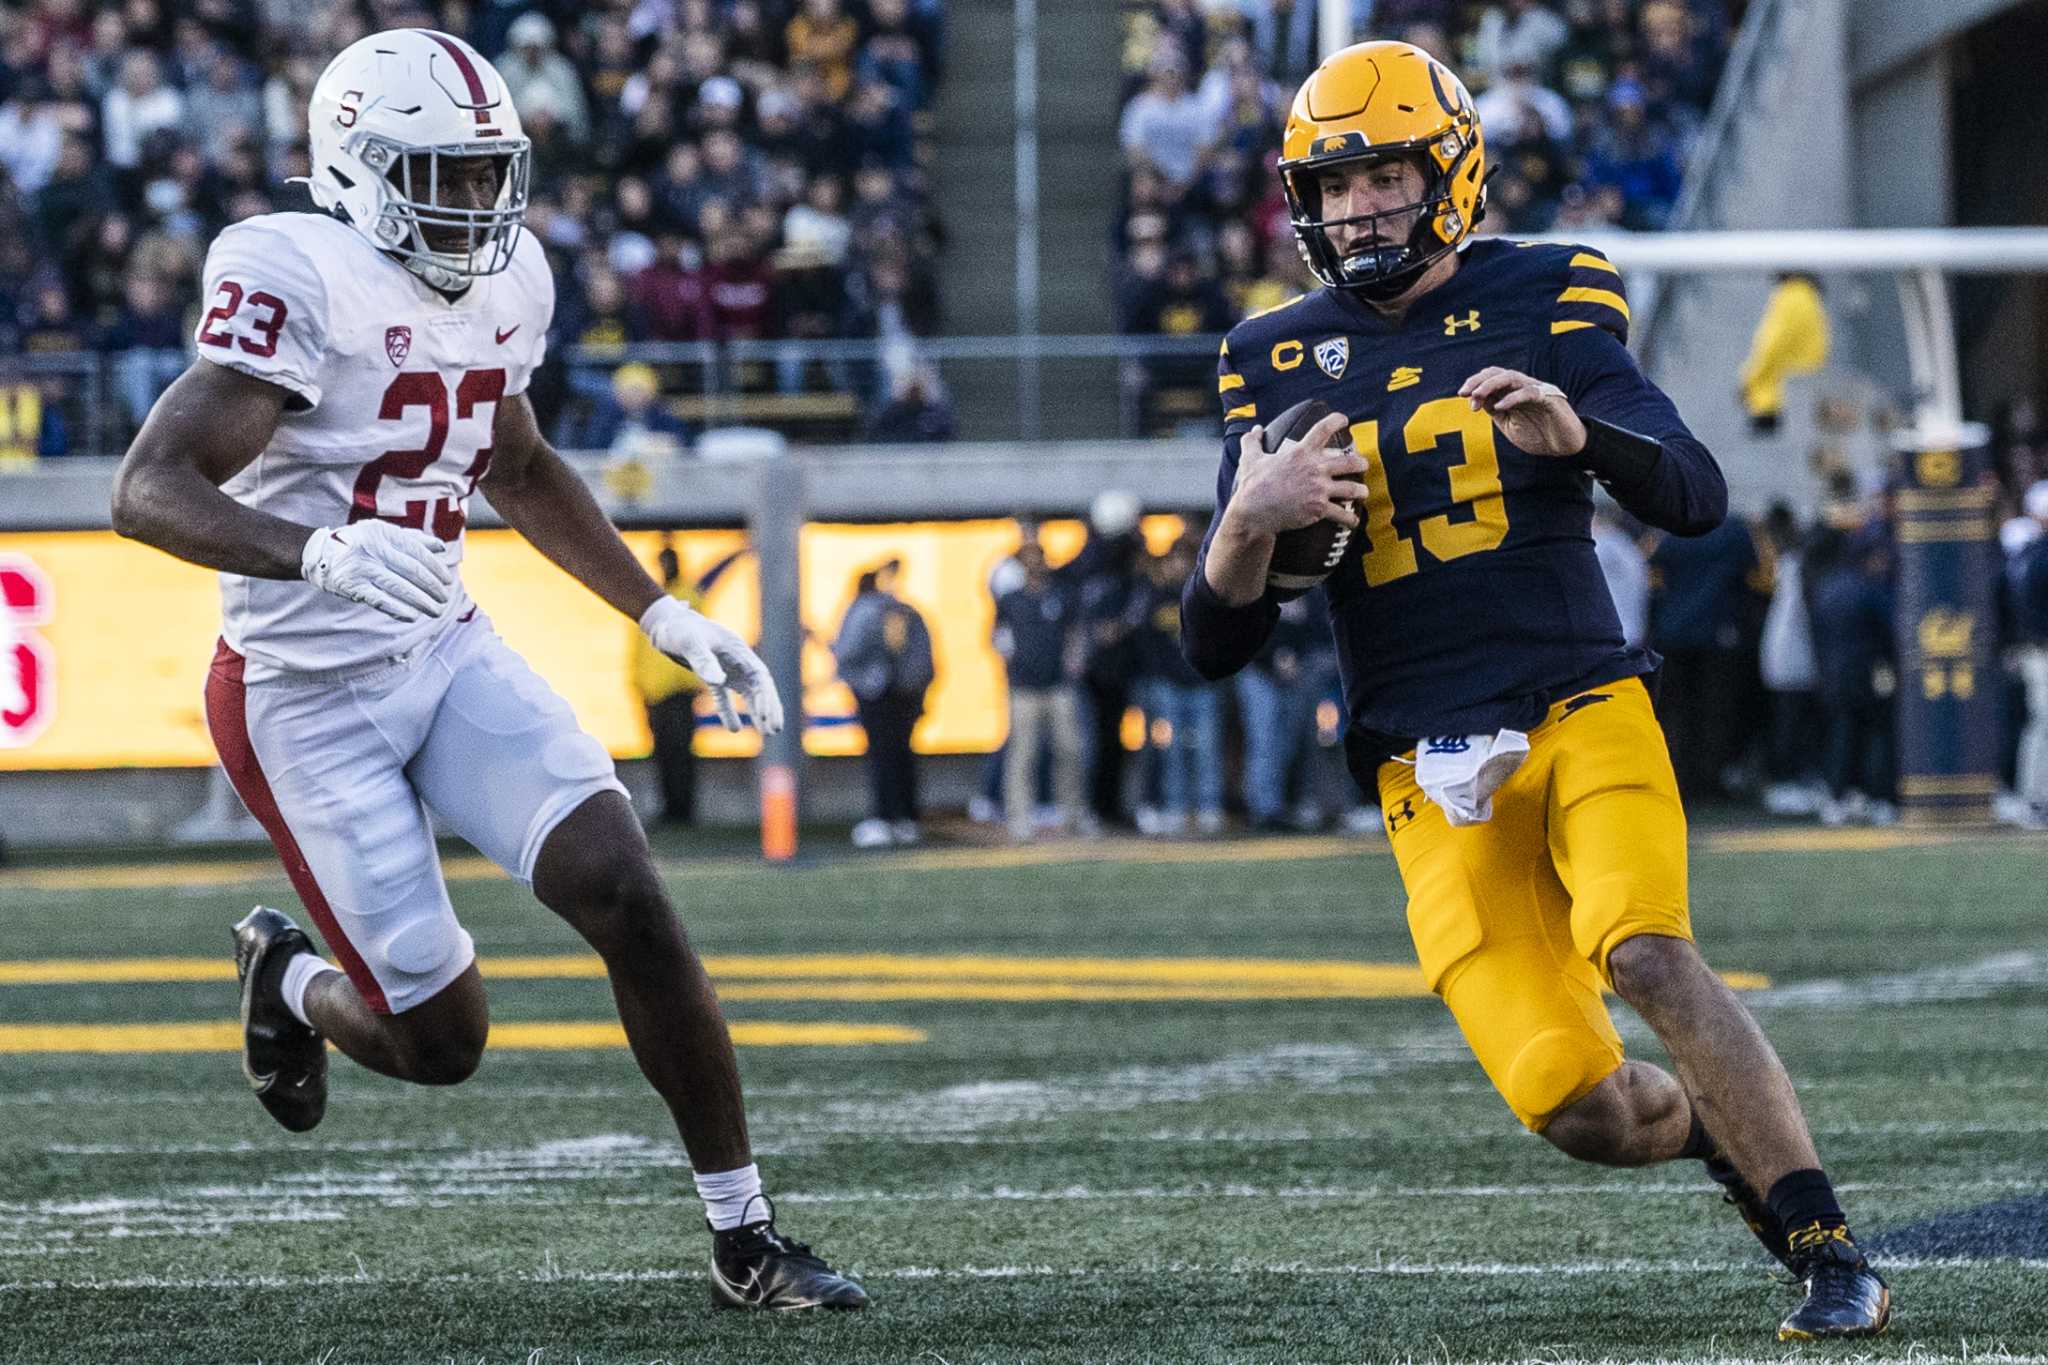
column 401, row 572
column 717, row 656
column 1462, row 772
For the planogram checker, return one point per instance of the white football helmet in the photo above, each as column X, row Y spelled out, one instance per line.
column 383, row 115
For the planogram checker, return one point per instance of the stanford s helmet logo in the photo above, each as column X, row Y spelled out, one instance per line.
column 398, row 343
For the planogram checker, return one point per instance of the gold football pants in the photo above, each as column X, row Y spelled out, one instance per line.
column 1514, row 919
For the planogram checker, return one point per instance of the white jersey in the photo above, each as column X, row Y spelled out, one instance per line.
column 395, row 389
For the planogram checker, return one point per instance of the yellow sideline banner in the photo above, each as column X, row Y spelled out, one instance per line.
column 113, row 638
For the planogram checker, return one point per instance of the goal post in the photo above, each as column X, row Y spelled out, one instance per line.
column 1946, row 555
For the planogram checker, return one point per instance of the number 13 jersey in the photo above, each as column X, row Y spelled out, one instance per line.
column 1471, row 598
column 394, row 389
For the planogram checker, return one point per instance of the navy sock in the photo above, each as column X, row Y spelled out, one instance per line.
column 1699, row 1143
column 1805, row 1199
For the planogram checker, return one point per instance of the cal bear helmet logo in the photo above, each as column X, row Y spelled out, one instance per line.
column 1333, row 355
column 398, row 343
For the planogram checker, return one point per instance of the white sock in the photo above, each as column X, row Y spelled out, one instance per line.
column 726, row 1195
column 299, row 974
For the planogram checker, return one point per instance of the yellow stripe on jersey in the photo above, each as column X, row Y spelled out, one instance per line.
column 1589, row 261
column 1556, row 328
column 1277, row 307
column 1248, row 410
column 1601, row 296
column 1225, row 383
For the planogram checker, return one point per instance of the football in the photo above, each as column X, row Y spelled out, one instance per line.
column 1305, row 556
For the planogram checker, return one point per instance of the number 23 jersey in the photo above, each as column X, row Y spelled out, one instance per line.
column 394, row 389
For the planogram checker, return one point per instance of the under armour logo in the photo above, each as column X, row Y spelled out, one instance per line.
column 1400, row 815
column 1585, row 699
column 1452, row 323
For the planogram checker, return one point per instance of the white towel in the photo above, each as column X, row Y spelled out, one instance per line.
column 1462, row 772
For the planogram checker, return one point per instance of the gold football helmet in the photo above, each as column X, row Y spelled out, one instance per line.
column 1369, row 102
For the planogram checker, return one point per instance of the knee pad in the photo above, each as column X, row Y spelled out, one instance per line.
column 1554, row 1068
column 420, row 959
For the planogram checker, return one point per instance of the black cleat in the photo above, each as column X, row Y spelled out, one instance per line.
column 754, row 1266
column 1844, row 1296
column 1756, row 1214
column 285, row 1061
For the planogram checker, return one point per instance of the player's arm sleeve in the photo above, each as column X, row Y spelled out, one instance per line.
column 265, row 311
column 1217, row 637
column 1636, row 443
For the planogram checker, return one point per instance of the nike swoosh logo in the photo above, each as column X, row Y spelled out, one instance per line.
column 743, row 1292
column 506, row 335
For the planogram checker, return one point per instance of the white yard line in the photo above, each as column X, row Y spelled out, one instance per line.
column 551, row 1273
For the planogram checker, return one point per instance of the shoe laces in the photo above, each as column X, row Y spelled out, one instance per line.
column 761, row 1237
column 1829, row 1263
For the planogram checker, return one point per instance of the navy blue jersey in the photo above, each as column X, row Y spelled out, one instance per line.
column 1471, row 598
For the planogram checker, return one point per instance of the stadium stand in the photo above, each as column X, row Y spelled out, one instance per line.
column 1588, row 106
column 706, row 171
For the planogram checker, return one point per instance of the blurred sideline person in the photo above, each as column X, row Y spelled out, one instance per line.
column 1104, row 577
column 1033, row 631
column 357, row 686
column 1627, row 573
column 1494, row 705
column 1183, row 710
column 669, row 691
column 1276, row 703
column 1788, row 670
column 2030, row 620
column 1850, row 603
column 884, row 652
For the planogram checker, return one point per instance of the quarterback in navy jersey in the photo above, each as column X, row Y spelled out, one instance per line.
column 1494, row 705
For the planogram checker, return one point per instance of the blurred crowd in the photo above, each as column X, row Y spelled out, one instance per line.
column 1589, row 108
column 1778, row 689
column 1779, row 636
column 1110, row 727
column 705, row 170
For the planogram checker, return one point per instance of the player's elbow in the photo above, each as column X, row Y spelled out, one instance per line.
column 1209, row 657
column 1702, row 504
column 1707, row 507
column 133, row 504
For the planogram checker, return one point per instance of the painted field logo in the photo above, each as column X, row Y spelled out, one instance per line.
column 28, row 674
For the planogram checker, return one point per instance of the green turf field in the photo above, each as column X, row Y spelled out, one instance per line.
column 1099, row 1137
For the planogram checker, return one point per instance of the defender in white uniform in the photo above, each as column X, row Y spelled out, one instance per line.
column 362, row 374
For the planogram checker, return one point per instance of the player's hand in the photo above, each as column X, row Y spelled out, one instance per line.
column 1533, row 414
column 718, row 657
column 1297, row 485
column 401, row 572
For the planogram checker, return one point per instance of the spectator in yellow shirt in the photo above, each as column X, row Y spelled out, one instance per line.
column 823, row 37
column 669, row 692
column 1791, row 339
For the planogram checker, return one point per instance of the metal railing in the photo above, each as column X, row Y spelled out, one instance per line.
column 72, row 387
column 1001, row 388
